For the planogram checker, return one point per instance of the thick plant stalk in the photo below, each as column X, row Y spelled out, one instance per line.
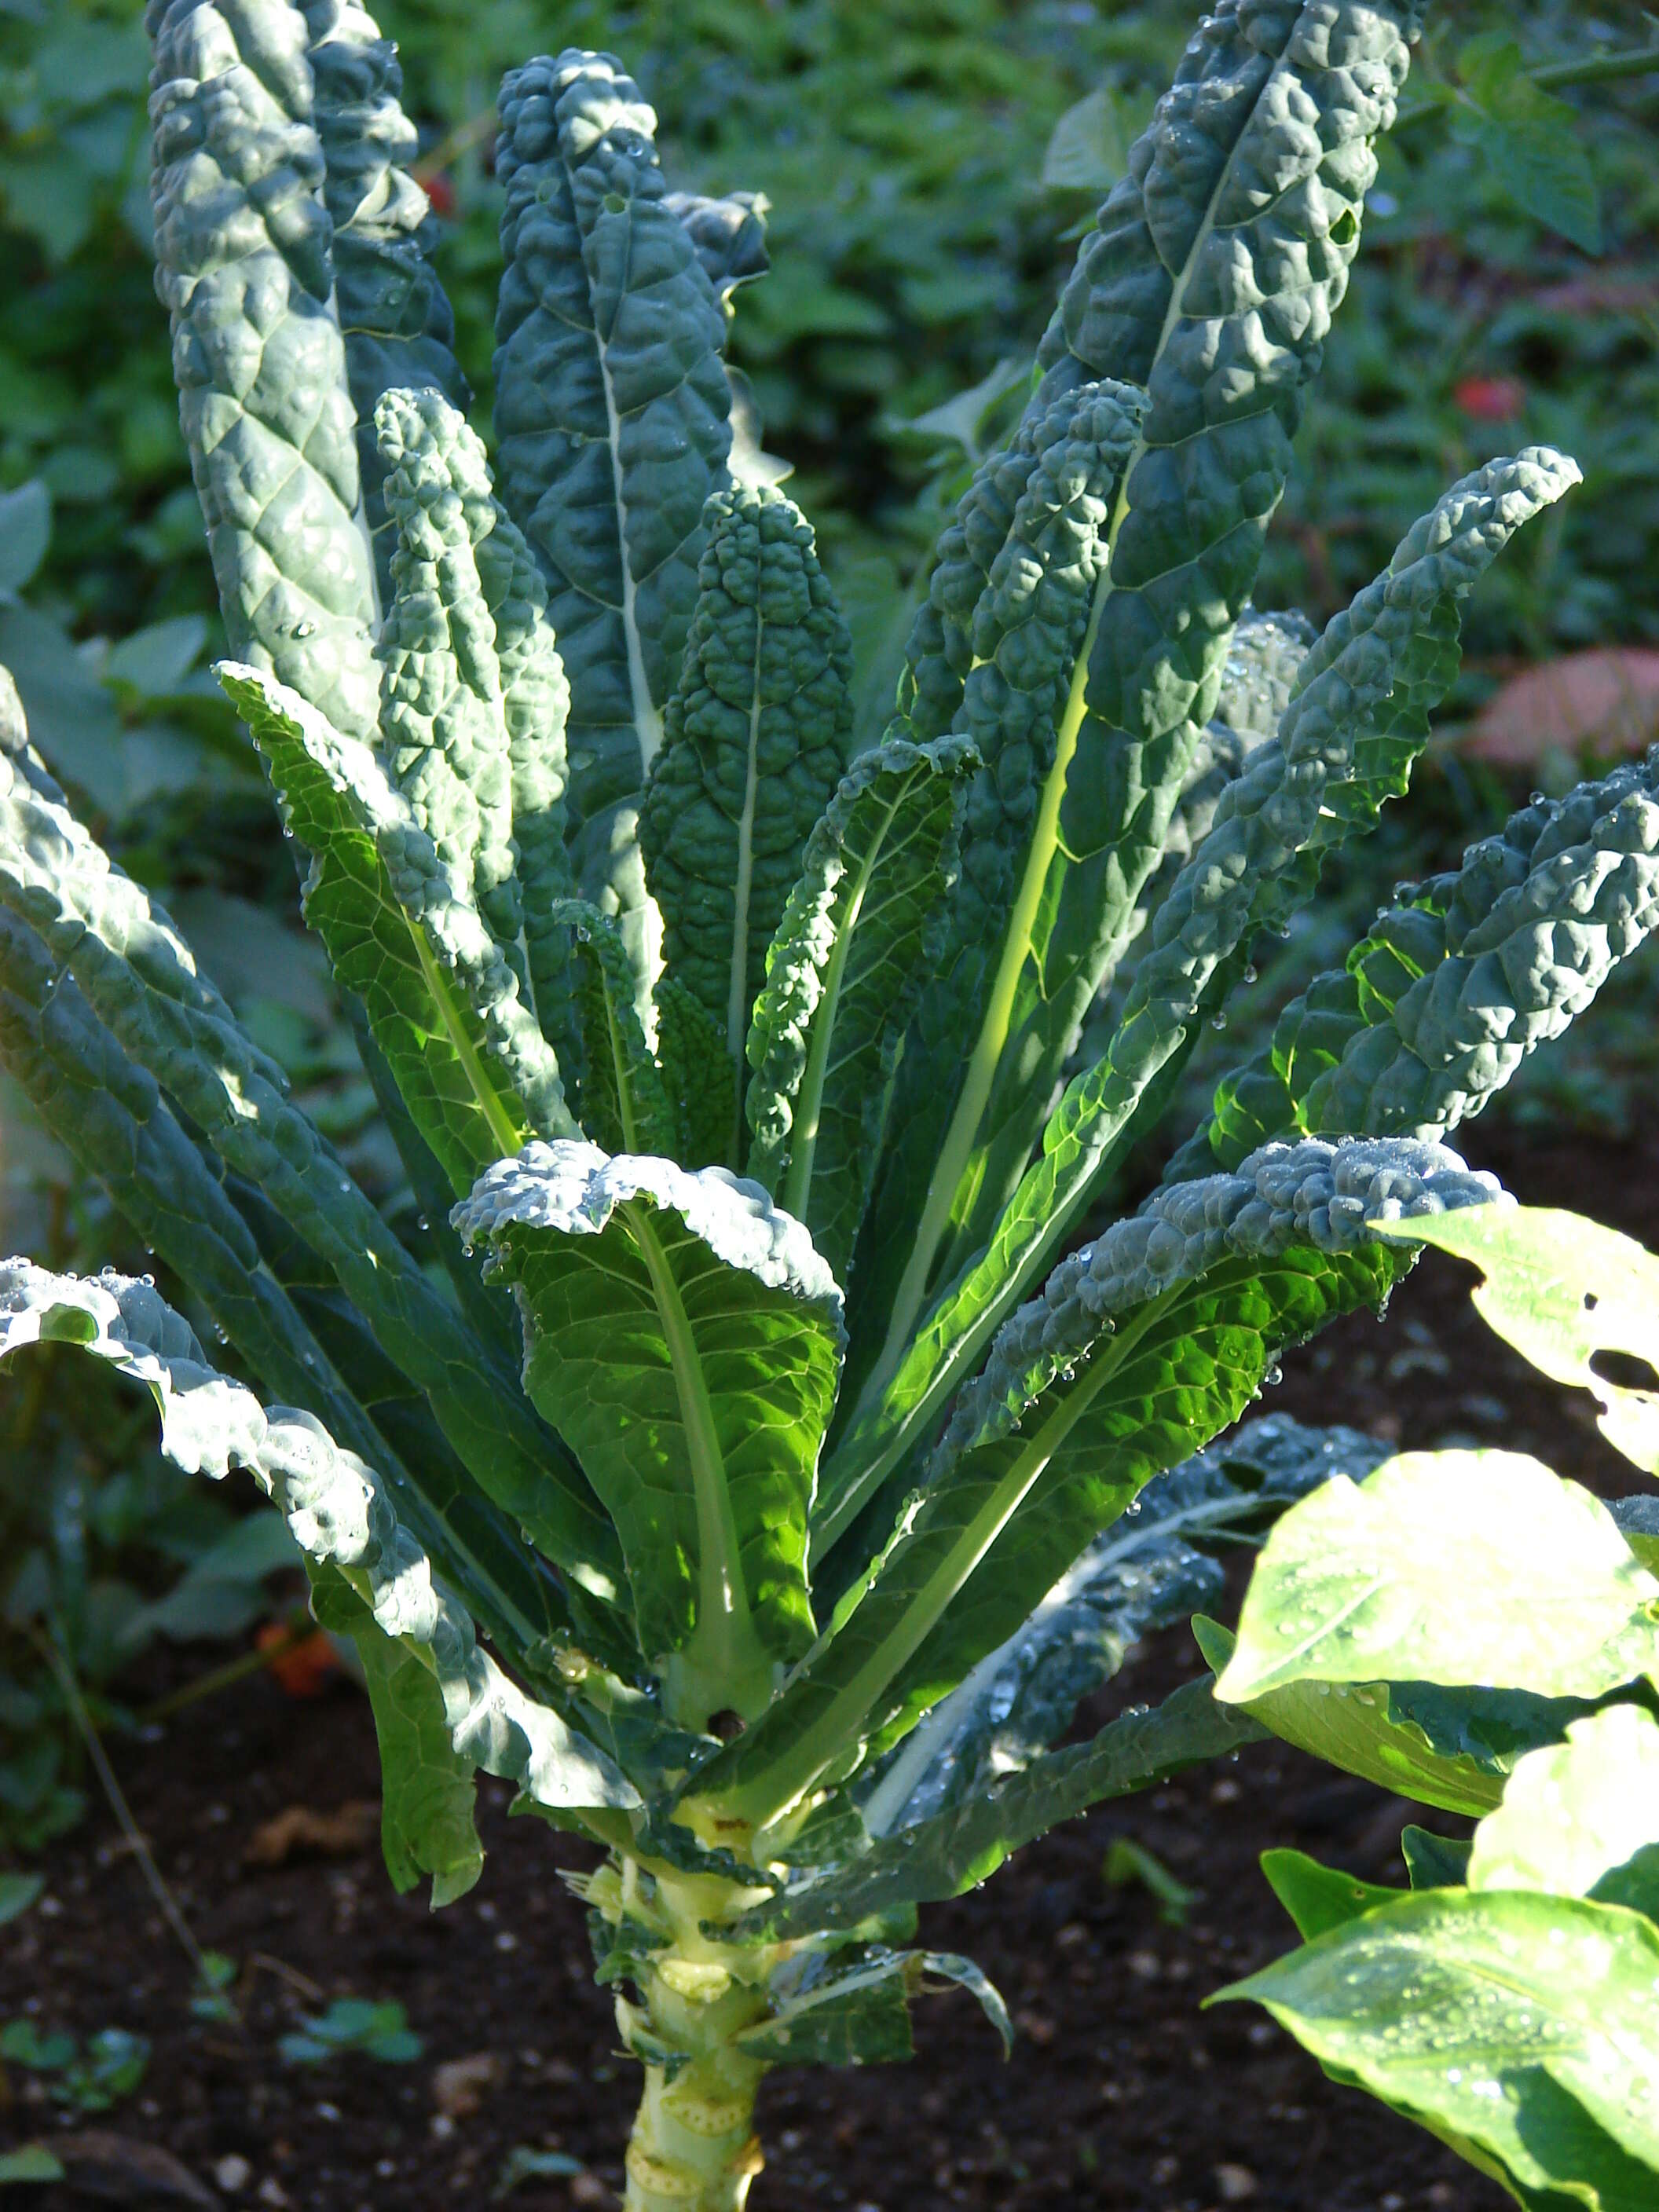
column 693, row 2148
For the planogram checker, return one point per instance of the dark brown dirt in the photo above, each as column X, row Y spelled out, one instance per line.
column 1122, row 2093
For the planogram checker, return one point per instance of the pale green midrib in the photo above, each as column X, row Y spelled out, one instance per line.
column 833, row 1732
column 507, row 1139
column 725, row 1637
column 619, row 1061
column 957, row 1150
column 798, row 1180
column 940, row 1204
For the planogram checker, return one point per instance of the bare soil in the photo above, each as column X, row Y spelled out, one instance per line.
column 1122, row 2093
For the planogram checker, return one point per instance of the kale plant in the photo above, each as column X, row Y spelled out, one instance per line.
column 1475, row 1632
column 740, row 1464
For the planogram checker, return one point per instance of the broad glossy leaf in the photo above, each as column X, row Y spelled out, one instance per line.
column 245, row 265
column 1320, row 1898
column 1450, row 1748
column 1433, row 1860
column 685, row 1337
column 1478, row 1567
column 756, row 738
column 842, row 976
column 1580, row 1819
column 1564, row 1291
column 1156, row 1335
column 339, row 1509
column 1518, row 2027
column 962, row 1846
column 444, row 1005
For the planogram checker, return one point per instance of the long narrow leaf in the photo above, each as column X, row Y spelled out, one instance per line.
column 959, row 1848
column 612, row 411
column 842, row 977
column 1451, row 988
column 442, row 1003
column 397, row 326
column 245, row 263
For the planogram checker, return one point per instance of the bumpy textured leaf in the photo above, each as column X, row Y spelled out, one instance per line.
column 965, row 1844
column 756, row 738
column 1452, row 1567
column 1258, row 862
column 699, row 1074
column 396, row 323
column 611, row 413
column 336, row 1505
column 1564, row 1291
column 1021, row 640
column 1142, row 1574
column 1258, row 678
column 1156, row 1336
column 141, row 978
column 842, row 977
column 1580, row 1819
column 1466, row 974
column 685, row 1337
column 474, row 698
column 1211, row 280
column 245, row 265
column 443, row 723
column 442, row 1003
column 625, row 1105
column 1518, row 2026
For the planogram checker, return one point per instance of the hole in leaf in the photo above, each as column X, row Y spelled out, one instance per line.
column 1345, row 228
column 1591, row 1302
column 1625, row 1371
column 615, row 203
